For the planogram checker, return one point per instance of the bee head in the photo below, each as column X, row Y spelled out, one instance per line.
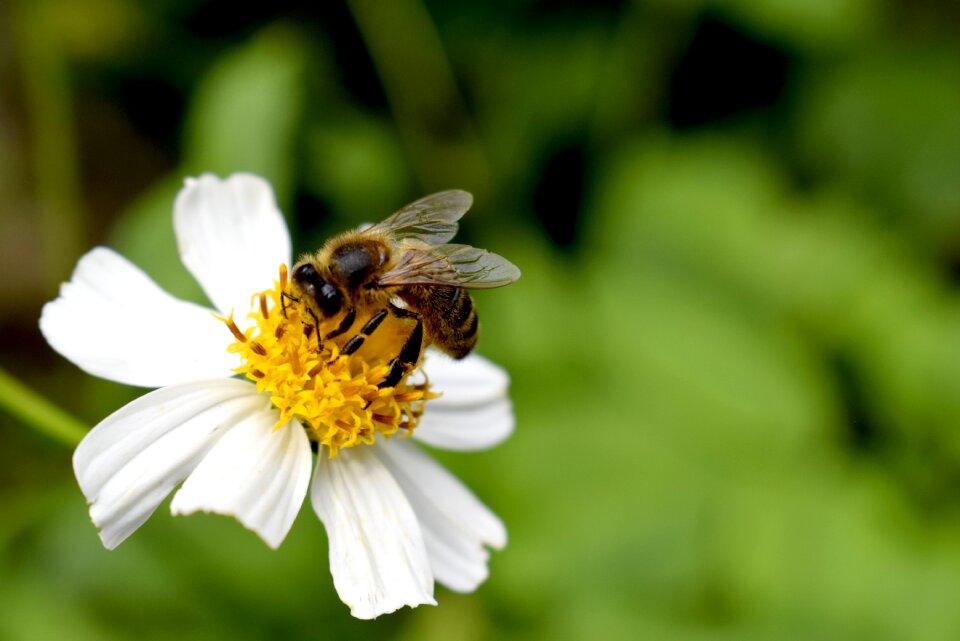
column 328, row 298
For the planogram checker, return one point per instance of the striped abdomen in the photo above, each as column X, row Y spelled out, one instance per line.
column 449, row 317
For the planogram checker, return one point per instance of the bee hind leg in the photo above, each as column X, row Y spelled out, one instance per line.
column 409, row 353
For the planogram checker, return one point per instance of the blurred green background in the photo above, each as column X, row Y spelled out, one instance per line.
column 735, row 348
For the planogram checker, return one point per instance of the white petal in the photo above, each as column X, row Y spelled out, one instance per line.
column 232, row 237
column 128, row 463
column 456, row 525
column 377, row 555
column 474, row 411
column 466, row 428
column 112, row 321
column 254, row 473
column 470, row 381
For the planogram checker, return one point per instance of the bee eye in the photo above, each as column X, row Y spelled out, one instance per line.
column 308, row 279
column 329, row 300
column 327, row 297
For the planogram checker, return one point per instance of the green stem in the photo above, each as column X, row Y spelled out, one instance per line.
column 39, row 413
column 48, row 102
column 422, row 91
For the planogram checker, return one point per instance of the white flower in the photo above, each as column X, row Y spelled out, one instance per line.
column 396, row 519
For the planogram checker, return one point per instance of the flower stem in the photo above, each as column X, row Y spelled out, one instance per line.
column 421, row 88
column 39, row 413
column 48, row 104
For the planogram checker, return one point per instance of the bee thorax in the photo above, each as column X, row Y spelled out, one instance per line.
column 354, row 263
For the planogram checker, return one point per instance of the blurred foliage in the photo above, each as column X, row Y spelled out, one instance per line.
column 735, row 349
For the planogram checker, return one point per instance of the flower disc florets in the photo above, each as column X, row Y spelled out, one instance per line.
column 334, row 396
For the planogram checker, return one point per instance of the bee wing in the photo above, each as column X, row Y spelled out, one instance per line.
column 450, row 266
column 432, row 219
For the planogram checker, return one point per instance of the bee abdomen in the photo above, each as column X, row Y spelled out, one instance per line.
column 449, row 317
column 464, row 323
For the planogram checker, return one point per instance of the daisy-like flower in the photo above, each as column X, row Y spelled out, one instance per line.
column 245, row 399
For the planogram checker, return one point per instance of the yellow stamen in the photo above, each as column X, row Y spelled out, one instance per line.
column 263, row 306
column 335, row 397
column 228, row 321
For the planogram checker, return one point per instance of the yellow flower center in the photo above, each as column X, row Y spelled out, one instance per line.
column 334, row 396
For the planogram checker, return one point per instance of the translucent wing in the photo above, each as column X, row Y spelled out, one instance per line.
column 450, row 266
column 432, row 219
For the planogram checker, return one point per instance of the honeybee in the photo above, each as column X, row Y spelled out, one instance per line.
column 402, row 268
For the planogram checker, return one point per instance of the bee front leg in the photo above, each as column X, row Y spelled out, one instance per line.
column 315, row 328
column 344, row 325
column 409, row 353
column 283, row 301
